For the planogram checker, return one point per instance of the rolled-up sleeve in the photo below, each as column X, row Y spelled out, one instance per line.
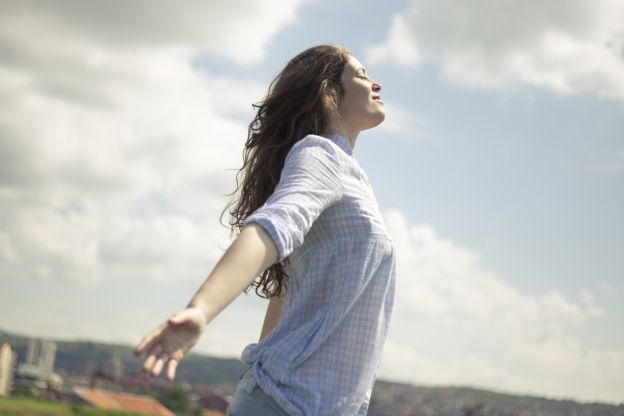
column 310, row 182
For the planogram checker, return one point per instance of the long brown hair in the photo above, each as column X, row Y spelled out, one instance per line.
column 300, row 101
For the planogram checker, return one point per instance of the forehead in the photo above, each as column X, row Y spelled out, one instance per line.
column 352, row 65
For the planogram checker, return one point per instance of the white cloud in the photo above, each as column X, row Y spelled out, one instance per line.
column 399, row 48
column 238, row 30
column 457, row 322
column 563, row 46
column 114, row 150
column 89, row 174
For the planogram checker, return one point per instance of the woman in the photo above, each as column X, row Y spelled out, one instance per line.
column 311, row 239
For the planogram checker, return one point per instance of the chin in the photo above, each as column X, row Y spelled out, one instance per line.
column 377, row 120
column 372, row 119
column 371, row 126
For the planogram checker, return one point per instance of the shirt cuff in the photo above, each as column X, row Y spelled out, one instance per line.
column 267, row 225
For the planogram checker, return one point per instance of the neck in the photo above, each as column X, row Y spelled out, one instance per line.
column 349, row 134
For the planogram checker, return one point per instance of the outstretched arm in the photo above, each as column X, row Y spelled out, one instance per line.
column 311, row 181
column 250, row 254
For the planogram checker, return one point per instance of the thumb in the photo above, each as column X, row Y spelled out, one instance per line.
column 179, row 317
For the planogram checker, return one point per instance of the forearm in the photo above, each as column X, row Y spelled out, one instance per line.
column 249, row 255
column 274, row 310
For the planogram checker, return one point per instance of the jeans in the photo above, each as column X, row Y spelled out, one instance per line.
column 256, row 403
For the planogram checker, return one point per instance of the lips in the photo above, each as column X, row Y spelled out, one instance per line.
column 377, row 98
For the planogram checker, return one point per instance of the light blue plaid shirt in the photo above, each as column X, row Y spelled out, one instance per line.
column 322, row 356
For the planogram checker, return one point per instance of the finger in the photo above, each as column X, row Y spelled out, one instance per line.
column 149, row 339
column 143, row 344
column 171, row 368
column 151, row 357
column 158, row 365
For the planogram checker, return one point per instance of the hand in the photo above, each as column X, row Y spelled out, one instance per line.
column 170, row 342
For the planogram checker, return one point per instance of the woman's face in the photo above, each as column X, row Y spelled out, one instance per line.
column 361, row 107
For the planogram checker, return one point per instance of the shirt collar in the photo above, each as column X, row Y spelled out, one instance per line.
column 341, row 142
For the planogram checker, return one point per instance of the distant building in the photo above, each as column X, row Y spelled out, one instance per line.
column 114, row 367
column 7, row 364
column 122, row 401
column 41, row 354
column 37, row 373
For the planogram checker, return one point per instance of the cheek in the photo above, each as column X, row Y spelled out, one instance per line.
column 346, row 105
column 355, row 103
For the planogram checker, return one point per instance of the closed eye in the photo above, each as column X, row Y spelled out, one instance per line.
column 362, row 73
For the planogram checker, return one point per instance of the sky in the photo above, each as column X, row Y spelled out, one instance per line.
column 498, row 170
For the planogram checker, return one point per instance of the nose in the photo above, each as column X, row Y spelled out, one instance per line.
column 376, row 87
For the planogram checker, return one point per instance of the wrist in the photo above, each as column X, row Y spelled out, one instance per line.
column 202, row 308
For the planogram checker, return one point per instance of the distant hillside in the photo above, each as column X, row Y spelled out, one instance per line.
column 80, row 357
column 389, row 398
column 404, row 399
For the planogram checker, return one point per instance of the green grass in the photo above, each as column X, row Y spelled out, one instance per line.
column 24, row 406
